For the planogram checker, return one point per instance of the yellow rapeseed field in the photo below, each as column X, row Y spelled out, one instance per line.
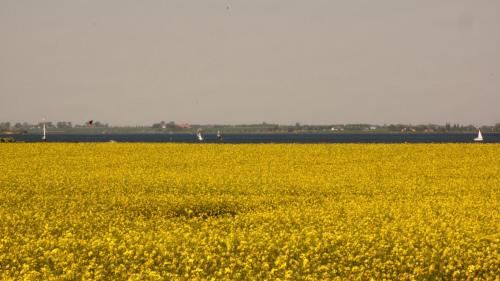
column 274, row 211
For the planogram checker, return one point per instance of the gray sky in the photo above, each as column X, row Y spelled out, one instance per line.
column 283, row 61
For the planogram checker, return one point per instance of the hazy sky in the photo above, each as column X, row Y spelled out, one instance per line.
column 228, row 61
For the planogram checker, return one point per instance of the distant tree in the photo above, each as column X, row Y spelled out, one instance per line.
column 448, row 126
column 160, row 125
column 469, row 128
column 98, row 124
column 171, row 126
column 47, row 125
column 5, row 125
column 397, row 127
column 63, row 124
column 420, row 128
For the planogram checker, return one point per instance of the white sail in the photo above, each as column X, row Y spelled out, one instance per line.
column 200, row 137
column 44, row 136
column 479, row 136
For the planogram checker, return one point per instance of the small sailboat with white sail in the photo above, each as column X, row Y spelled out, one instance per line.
column 479, row 136
column 199, row 135
column 44, row 134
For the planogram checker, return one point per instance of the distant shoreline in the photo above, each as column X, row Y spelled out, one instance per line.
column 267, row 137
column 229, row 132
column 239, row 133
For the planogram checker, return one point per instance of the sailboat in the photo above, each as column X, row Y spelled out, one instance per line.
column 219, row 136
column 198, row 134
column 479, row 136
column 44, row 136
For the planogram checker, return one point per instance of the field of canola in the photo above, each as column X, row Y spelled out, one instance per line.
column 207, row 211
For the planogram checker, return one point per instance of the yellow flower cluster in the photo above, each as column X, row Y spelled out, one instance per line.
column 275, row 211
